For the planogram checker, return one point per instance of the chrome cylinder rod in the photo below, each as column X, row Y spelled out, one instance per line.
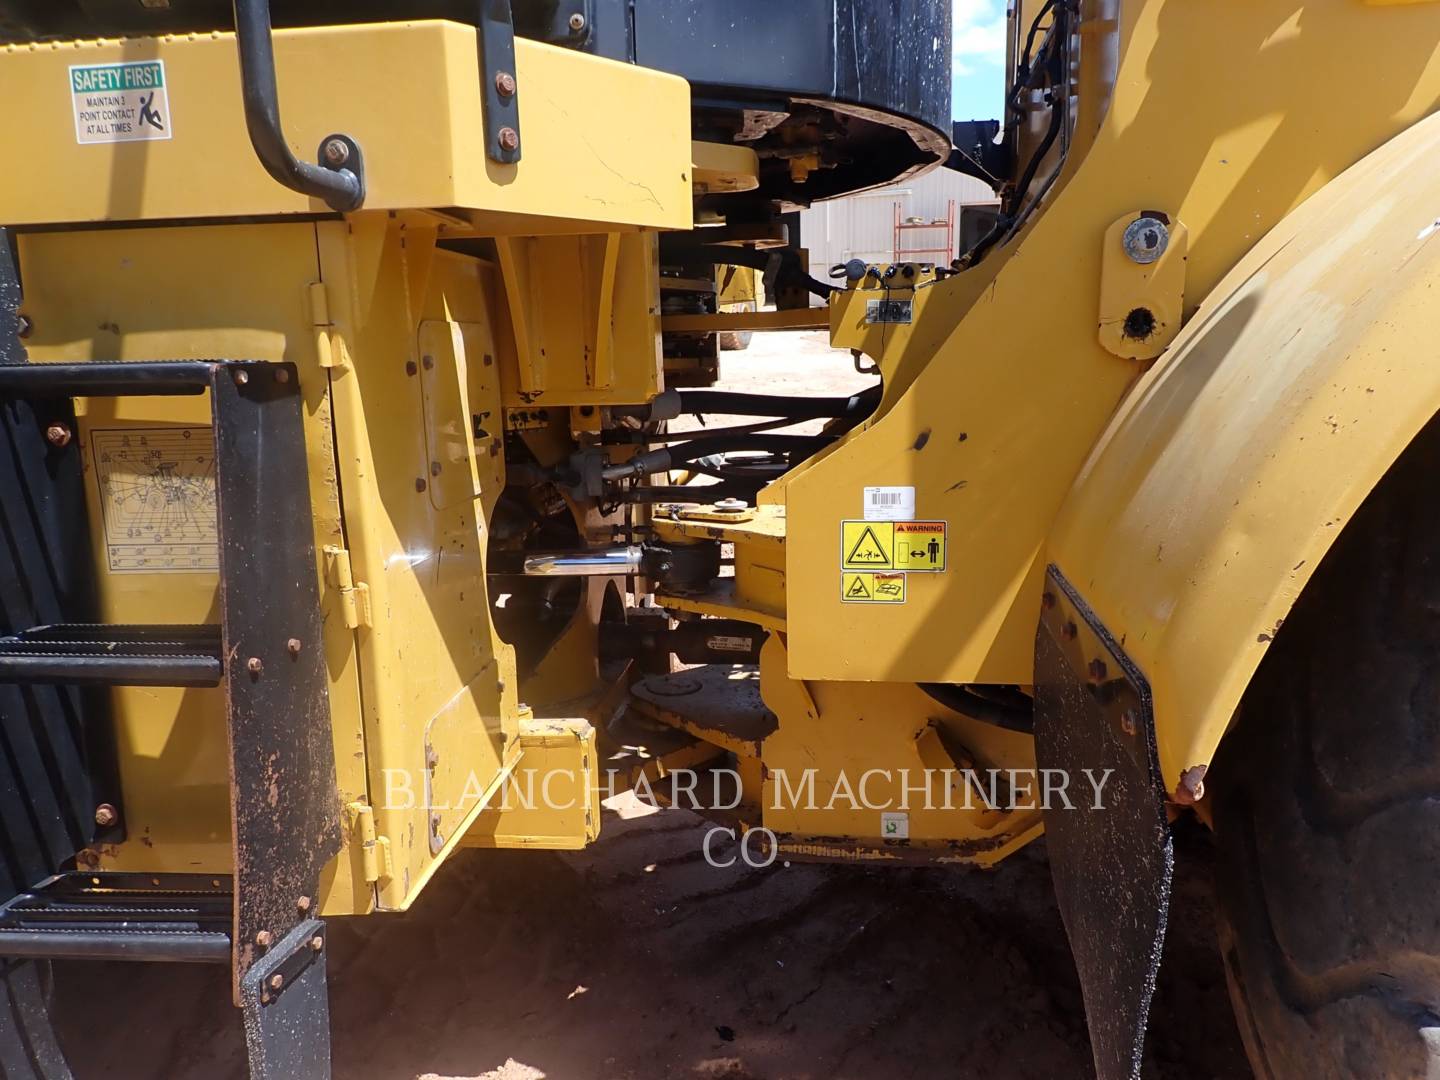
column 600, row 562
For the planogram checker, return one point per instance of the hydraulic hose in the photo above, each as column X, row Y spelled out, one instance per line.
column 795, row 408
column 663, row 460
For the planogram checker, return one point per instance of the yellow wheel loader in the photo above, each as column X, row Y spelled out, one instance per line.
column 344, row 521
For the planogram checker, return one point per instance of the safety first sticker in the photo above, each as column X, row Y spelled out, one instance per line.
column 125, row 102
column 865, row 587
column 914, row 546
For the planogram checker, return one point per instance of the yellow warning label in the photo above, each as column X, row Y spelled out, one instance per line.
column 920, row 545
column 892, row 545
column 863, row 587
column 868, row 544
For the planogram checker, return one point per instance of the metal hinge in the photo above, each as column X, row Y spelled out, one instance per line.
column 374, row 850
column 329, row 346
column 354, row 595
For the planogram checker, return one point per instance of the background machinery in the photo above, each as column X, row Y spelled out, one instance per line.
column 340, row 497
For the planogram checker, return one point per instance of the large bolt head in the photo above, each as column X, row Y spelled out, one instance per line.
column 1146, row 239
column 337, row 152
column 577, row 22
column 58, row 435
column 509, row 139
column 505, row 84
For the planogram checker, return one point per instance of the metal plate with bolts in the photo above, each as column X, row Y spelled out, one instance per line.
column 496, row 29
column 1112, row 864
column 286, row 1009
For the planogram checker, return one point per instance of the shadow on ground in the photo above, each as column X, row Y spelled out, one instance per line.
column 635, row 960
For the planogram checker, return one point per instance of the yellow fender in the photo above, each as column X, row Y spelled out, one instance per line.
column 1233, row 464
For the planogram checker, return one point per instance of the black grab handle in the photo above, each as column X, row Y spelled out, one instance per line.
column 340, row 178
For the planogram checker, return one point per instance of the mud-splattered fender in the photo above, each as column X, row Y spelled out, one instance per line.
column 1234, row 463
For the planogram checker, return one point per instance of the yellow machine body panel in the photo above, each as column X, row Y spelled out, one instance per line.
column 437, row 683
column 405, row 91
column 1238, row 459
column 994, row 399
column 122, row 294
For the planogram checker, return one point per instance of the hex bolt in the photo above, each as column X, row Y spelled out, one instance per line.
column 277, row 981
column 282, row 375
column 1191, row 788
column 1097, row 670
column 293, row 646
column 420, row 484
column 505, row 83
column 410, row 368
column 24, row 326
column 58, row 435
column 303, row 903
column 337, row 152
column 577, row 22
column 264, row 939
column 105, row 815
column 254, row 665
column 1127, row 722
column 509, row 138
column 317, row 943
column 1047, row 600
column 242, row 377
column 435, row 468
column 1069, row 631
column 427, row 362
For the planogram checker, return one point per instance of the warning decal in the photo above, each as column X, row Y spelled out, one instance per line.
column 125, row 102
column 867, row 588
column 863, row 546
column 157, row 498
column 920, row 545
column 893, row 545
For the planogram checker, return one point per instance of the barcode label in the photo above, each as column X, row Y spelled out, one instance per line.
column 889, row 503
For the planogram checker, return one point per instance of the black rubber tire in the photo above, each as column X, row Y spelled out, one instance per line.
column 1327, row 807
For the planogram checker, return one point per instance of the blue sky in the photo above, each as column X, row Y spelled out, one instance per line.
column 979, row 59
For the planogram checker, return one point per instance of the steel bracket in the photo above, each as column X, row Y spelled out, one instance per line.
column 568, row 23
column 498, row 86
column 286, row 1008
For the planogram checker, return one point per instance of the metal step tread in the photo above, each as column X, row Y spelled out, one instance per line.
column 113, row 655
column 73, row 917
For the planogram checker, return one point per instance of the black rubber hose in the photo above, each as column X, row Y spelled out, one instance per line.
column 697, row 493
column 725, row 444
column 795, row 408
column 673, row 457
column 965, row 701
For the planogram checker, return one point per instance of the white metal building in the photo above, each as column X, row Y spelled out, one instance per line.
column 863, row 226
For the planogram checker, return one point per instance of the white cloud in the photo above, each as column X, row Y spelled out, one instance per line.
column 978, row 34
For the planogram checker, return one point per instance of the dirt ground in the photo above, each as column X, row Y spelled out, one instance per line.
column 636, row 960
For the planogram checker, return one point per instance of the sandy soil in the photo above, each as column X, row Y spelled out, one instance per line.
column 636, row 960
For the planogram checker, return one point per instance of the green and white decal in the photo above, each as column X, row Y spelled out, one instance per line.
column 122, row 102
